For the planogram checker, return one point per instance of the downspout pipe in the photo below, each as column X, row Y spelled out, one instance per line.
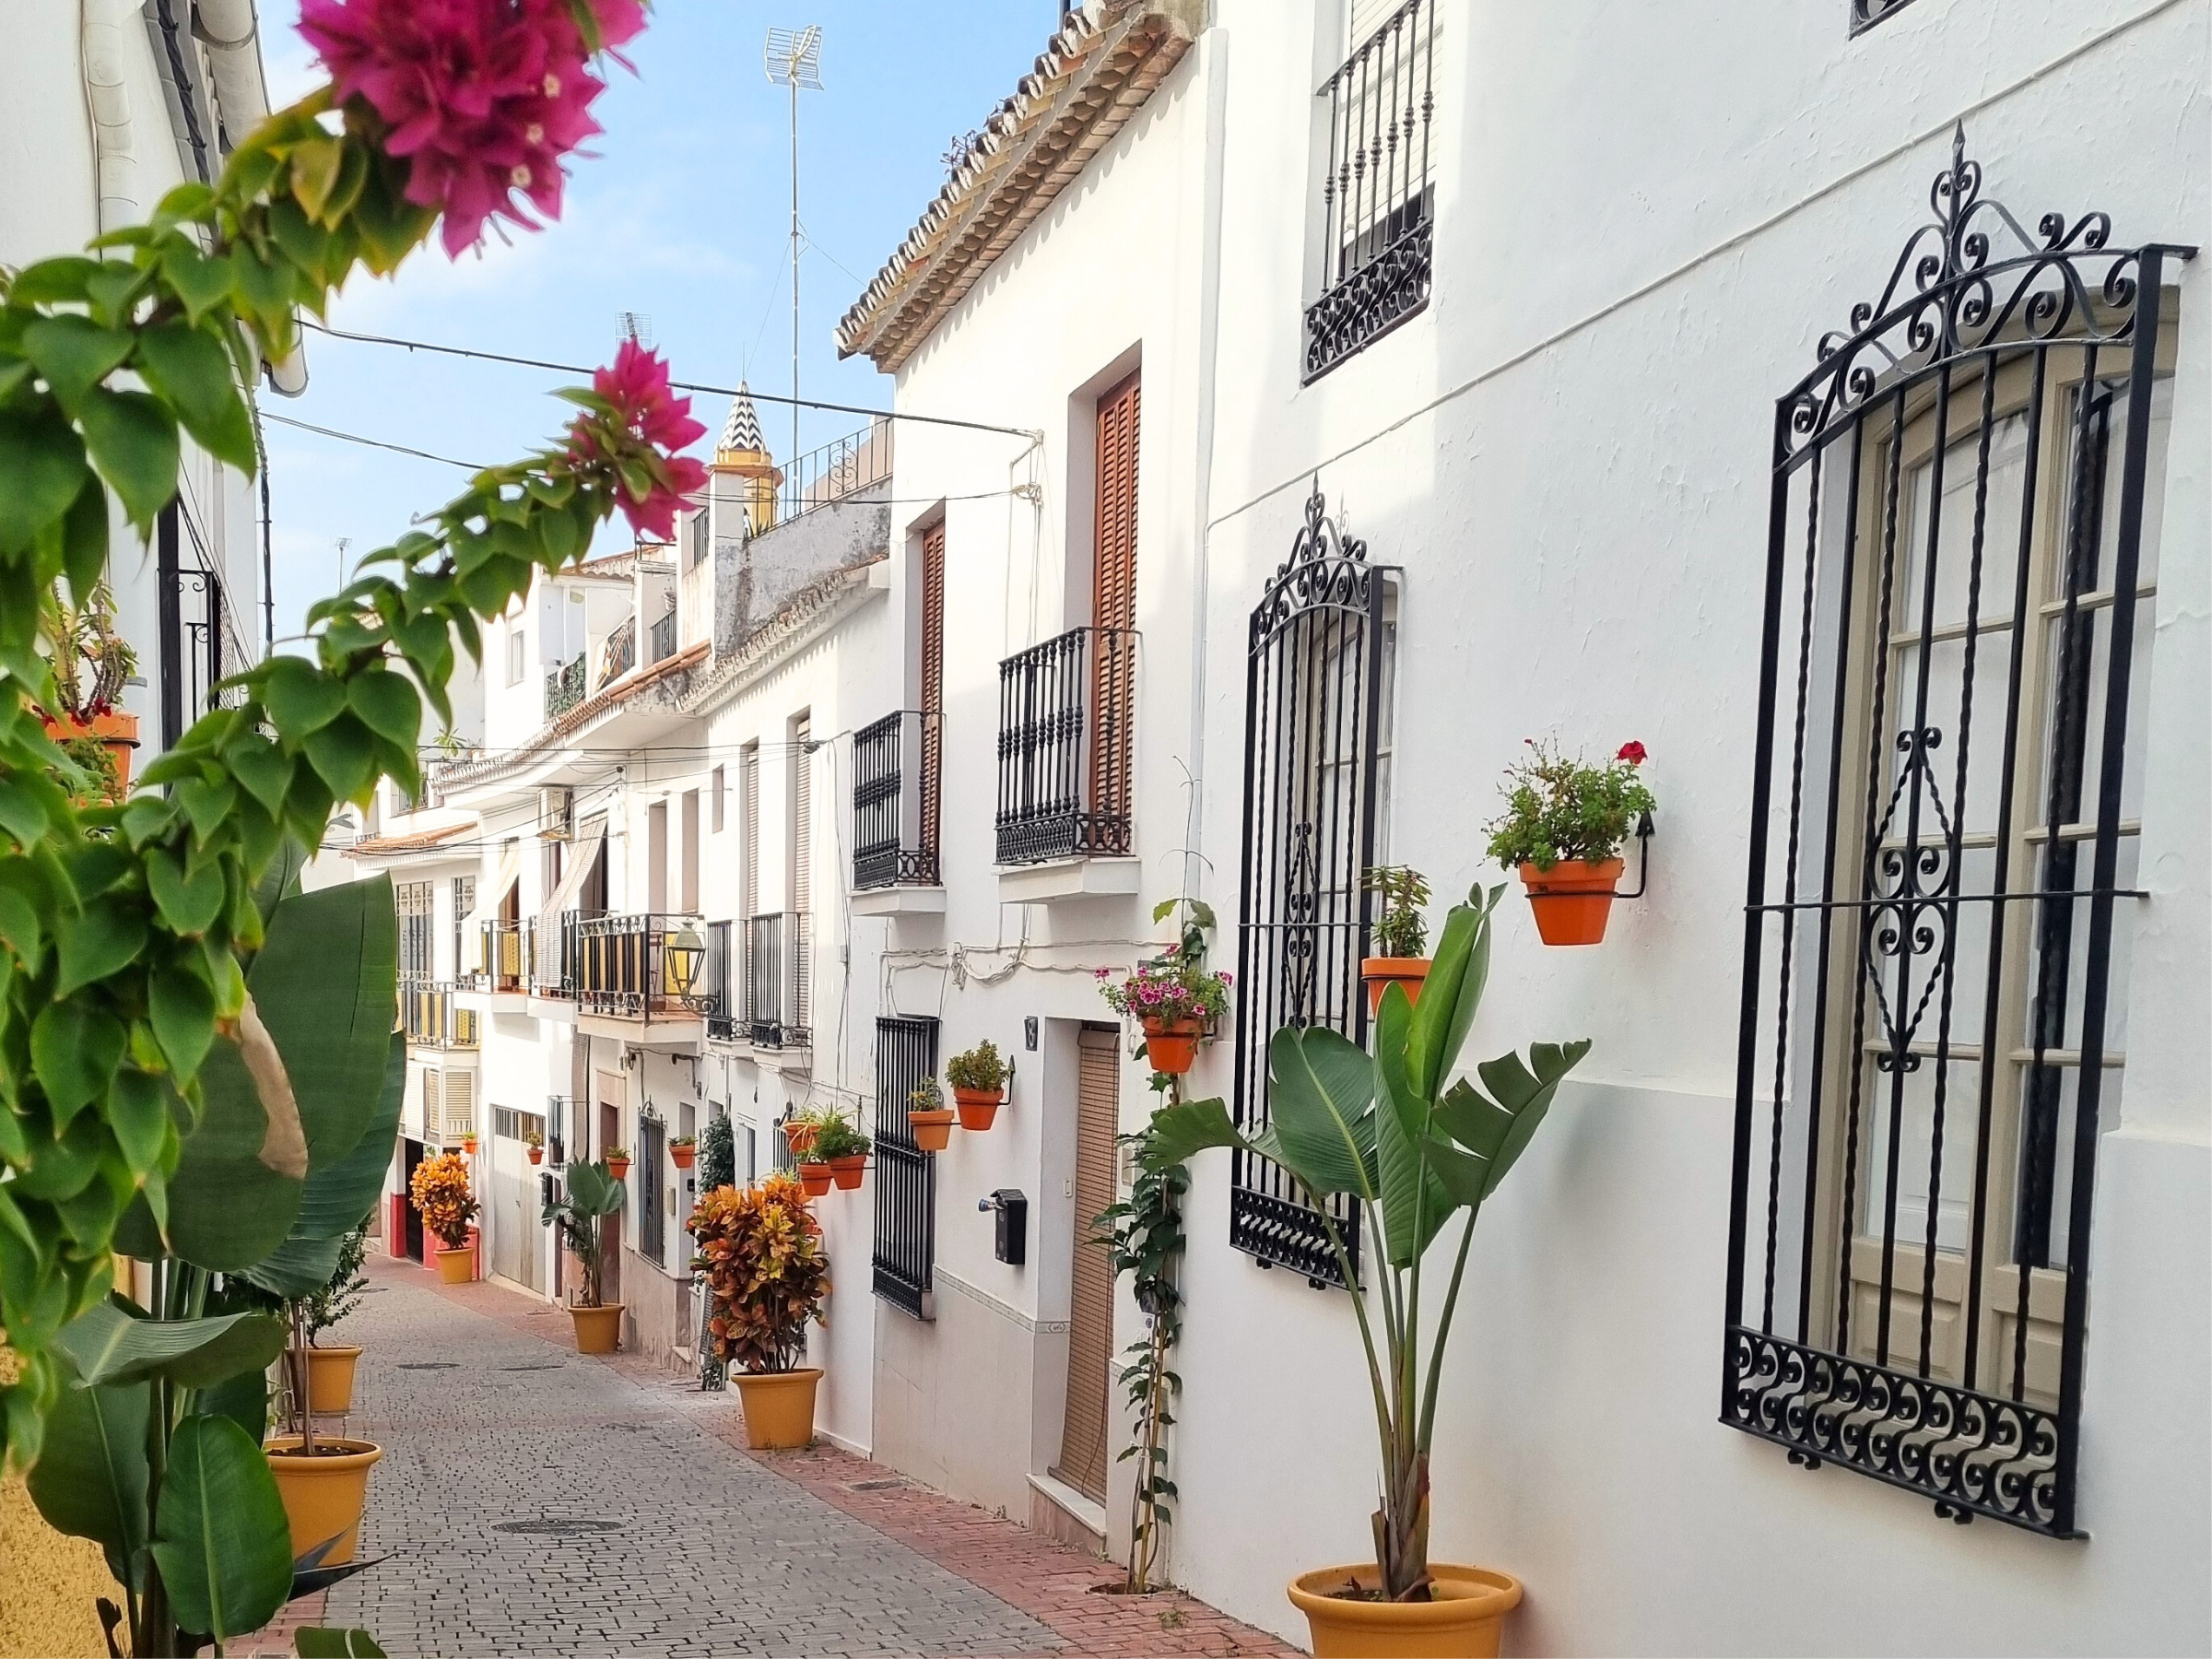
column 229, row 32
column 105, row 44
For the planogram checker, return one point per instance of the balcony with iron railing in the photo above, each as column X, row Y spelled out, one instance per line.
column 641, row 966
column 661, row 638
column 779, row 998
column 1064, row 723
column 506, row 970
column 838, row 469
column 564, row 688
column 896, row 766
column 620, row 655
column 431, row 1019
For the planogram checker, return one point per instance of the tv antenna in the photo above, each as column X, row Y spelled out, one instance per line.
column 793, row 58
column 344, row 542
column 637, row 327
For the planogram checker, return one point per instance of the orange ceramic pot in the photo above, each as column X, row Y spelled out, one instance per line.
column 1462, row 1622
column 798, row 1135
column 457, row 1266
column 932, row 1130
column 1381, row 973
column 330, row 1379
column 323, row 1495
column 537, row 1155
column 684, row 1157
column 847, row 1171
column 598, row 1330
column 1572, row 899
column 816, row 1178
column 1171, row 1046
column 977, row 1107
column 619, row 1168
column 779, row 1407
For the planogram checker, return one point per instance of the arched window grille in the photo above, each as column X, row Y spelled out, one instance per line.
column 1943, row 856
column 1316, row 714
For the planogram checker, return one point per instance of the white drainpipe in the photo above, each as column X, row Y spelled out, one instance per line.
column 106, row 43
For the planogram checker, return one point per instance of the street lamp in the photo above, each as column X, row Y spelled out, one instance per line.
column 682, row 957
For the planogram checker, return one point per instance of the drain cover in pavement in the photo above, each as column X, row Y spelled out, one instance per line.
column 548, row 1365
column 429, row 1365
column 557, row 1529
column 875, row 1486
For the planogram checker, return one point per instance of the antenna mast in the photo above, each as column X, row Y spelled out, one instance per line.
column 794, row 59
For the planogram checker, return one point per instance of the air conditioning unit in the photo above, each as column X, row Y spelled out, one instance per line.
column 556, row 814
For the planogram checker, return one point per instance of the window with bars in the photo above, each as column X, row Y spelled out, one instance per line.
column 652, row 1178
column 1943, row 874
column 906, row 1178
column 418, row 902
column 1377, row 207
column 464, row 904
column 1318, row 672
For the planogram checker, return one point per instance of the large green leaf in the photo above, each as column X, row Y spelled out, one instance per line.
column 340, row 1195
column 1450, row 993
column 1526, row 1095
column 327, row 984
column 106, row 1345
column 295, row 1266
column 221, row 1535
column 245, row 1399
column 90, row 1479
column 327, row 1641
column 1413, row 1205
column 1320, row 1103
column 593, row 1192
column 226, row 1207
column 1179, row 1133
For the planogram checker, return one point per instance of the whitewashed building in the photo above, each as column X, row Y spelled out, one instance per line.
column 1601, row 374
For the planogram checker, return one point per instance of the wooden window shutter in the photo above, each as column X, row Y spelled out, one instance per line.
column 1114, row 601
column 933, row 681
column 433, row 1128
column 801, row 817
column 1090, row 1294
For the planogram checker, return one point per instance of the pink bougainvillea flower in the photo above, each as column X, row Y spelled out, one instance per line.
column 1632, row 752
column 643, row 414
column 481, row 98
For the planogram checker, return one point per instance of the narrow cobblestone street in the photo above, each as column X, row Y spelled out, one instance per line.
column 531, row 1501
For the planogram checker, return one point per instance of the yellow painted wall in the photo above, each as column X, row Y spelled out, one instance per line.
column 48, row 1585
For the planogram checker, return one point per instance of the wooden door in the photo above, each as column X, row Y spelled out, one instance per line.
column 1090, row 1300
column 1113, row 602
column 610, row 1230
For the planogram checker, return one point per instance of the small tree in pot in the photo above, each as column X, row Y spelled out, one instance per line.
column 768, row 1276
column 593, row 1196
column 440, row 1190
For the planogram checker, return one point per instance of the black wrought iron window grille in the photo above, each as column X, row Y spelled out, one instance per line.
column 1315, row 729
column 728, row 1015
column 1865, row 14
column 1942, row 857
column 652, row 1224
column 1377, row 203
column 1065, row 716
column 894, row 817
column 778, row 990
column 906, row 1181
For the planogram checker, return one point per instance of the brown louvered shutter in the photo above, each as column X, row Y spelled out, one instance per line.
column 1091, row 1293
column 1113, row 604
column 932, row 683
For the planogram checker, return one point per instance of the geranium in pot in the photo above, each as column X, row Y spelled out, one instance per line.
column 979, row 1084
column 767, row 1276
column 594, row 1195
column 1413, row 1151
column 1401, row 932
column 928, row 1119
column 1175, row 1001
column 840, row 1145
column 439, row 1189
column 1562, row 829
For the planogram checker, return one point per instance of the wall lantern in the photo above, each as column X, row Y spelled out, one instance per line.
column 682, row 956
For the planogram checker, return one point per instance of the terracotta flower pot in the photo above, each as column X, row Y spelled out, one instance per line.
column 1379, row 972
column 798, row 1135
column 978, row 1107
column 330, row 1379
column 816, row 1178
column 932, row 1130
column 779, row 1407
column 1572, row 899
column 537, row 1155
column 457, row 1266
column 684, row 1157
column 323, row 1495
column 1462, row 1622
column 116, row 731
column 469, row 1146
column 619, row 1168
column 598, row 1330
column 847, row 1171
column 1171, row 1045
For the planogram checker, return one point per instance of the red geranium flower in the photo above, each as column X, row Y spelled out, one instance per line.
column 1632, row 752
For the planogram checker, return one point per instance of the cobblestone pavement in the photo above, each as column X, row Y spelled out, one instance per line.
column 531, row 1501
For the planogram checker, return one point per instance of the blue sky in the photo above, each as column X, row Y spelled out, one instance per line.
column 683, row 213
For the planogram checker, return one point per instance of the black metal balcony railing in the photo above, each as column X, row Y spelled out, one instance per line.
column 660, row 639
column 726, row 1015
column 564, row 689
column 778, row 998
column 620, row 655
column 432, row 1019
column 1065, row 711
column 621, row 967
column 895, row 785
column 835, row 470
column 506, row 956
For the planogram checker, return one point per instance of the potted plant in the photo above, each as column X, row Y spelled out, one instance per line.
column 469, row 1146
column 92, row 664
column 1413, row 1150
column 979, row 1084
column 798, row 1132
column 1401, row 932
column 815, row 1176
column 683, row 1151
column 594, row 1193
column 928, row 1119
column 618, row 1162
column 1562, row 830
column 840, row 1145
column 766, row 1276
column 534, row 1146
column 439, row 1189
column 717, row 1153
column 1175, row 1001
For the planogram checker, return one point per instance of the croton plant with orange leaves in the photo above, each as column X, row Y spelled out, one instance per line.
column 766, row 1271
column 439, row 1189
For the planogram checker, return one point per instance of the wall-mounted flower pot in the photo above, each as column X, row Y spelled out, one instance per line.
column 323, row 1495
column 932, row 1130
column 1463, row 1621
column 1572, row 899
column 684, row 1157
column 330, row 1379
column 1381, row 973
column 619, row 1168
column 469, row 1146
column 117, row 732
column 816, row 1178
column 537, row 1155
column 846, row 1171
column 779, row 1407
column 456, row 1266
column 1171, row 1046
column 798, row 1135
column 598, row 1330
column 977, row 1107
